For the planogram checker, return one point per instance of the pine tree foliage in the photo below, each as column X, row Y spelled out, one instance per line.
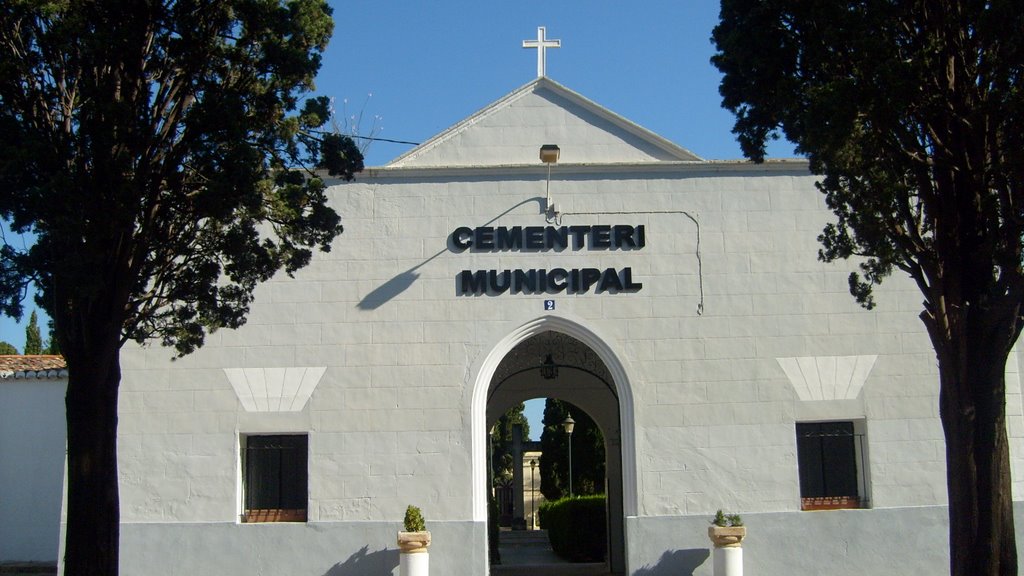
column 912, row 113
column 52, row 347
column 164, row 155
column 152, row 147
column 588, row 454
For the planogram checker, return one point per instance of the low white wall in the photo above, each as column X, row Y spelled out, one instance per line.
column 836, row 542
column 294, row 549
column 32, row 455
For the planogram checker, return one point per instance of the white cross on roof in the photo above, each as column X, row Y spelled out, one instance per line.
column 542, row 44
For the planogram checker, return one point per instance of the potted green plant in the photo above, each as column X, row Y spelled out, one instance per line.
column 413, row 542
column 727, row 530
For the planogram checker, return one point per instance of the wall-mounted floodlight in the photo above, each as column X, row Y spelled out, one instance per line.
column 549, row 153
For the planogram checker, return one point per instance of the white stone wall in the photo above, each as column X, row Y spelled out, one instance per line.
column 389, row 421
column 32, row 449
column 738, row 333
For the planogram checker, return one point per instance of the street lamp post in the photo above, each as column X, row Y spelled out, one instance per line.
column 490, row 459
column 533, row 495
column 568, row 424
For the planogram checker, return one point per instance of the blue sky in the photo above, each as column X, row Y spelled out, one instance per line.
column 429, row 64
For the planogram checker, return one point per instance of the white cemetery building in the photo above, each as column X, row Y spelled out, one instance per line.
column 32, row 441
column 682, row 303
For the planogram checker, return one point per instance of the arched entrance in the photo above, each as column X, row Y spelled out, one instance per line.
column 591, row 377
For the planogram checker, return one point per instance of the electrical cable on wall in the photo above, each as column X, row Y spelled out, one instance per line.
column 556, row 218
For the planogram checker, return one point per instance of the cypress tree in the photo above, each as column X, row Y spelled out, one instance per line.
column 33, row 341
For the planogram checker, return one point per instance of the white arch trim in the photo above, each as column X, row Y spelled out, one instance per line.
column 485, row 372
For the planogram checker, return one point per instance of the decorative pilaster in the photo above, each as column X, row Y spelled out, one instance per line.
column 728, row 554
column 413, row 556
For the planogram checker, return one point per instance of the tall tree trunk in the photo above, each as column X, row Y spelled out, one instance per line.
column 93, row 512
column 973, row 411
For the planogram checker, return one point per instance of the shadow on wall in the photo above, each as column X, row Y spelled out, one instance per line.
column 676, row 563
column 404, row 280
column 388, row 290
column 379, row 563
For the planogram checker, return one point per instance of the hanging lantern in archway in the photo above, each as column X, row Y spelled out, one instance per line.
column 549, row 370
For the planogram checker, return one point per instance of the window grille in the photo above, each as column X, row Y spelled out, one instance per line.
column 830, row 457
column 275, row 478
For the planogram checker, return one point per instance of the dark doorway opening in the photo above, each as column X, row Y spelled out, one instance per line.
column 556, row 366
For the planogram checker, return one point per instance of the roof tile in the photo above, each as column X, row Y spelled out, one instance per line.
column 19, row 365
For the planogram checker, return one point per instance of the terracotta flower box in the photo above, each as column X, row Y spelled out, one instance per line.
column 727, row 536
column 830, row 503
column 413, row 542
column 274, row 515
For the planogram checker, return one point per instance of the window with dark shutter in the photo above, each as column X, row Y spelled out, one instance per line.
column 275, row 478
column 827, row 457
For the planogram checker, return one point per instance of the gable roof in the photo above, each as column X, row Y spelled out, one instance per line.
column 35, row 366
column 511, row 131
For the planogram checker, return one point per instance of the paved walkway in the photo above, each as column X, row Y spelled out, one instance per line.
column 528, row 553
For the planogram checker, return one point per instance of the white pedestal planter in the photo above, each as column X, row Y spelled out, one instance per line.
column 413, row 558
column 728, row 555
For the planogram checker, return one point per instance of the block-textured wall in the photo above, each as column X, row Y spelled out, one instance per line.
column 714, row 410
column 32, row 441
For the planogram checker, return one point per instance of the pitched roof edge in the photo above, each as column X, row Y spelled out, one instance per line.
column 626, row 124
column 673, row 149
column 463, row 124
column 785, row 165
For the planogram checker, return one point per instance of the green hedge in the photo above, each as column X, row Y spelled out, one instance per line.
column 577, row 527
column 492, row 529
